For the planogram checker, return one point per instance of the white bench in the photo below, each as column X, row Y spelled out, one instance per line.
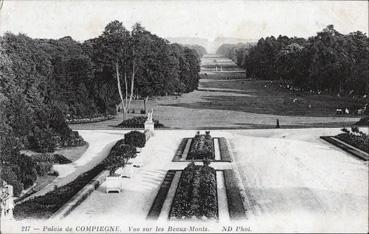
column 113, row 184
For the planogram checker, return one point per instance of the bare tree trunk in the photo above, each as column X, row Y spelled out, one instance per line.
column 124, row 106
column 132, row 83
column 145, row 104
column 125, row 101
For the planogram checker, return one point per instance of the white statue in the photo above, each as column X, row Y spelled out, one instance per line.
column 149, row 116
column 149, row 125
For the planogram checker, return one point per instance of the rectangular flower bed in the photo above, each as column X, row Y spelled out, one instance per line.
column 196, row 195
column 202, row 147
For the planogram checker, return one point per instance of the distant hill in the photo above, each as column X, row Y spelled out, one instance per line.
column 189, row 41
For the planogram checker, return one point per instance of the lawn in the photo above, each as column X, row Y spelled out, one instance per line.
column 229, row 100
column 264, row 97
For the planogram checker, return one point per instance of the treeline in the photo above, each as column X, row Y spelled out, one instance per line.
column 200, row 50
column 329, row 62
column 234, row 52
column 45, row 81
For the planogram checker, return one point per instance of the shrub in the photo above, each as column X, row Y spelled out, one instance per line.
column 26, row 170
column 41, row 140
column 138, row 122
column 43, row 168
column 60, row 159
column 363, row 121
column 118, row 156
column 354, row 129
column 135, row 138
column 51, row 158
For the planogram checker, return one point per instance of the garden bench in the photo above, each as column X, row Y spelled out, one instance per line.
column 113, row 184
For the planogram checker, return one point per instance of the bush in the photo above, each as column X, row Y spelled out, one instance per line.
column 60, row 159
column 138, row 122
column 41, row 140
column 135, row 138
column 196, row 195
column 51, row 158
column 26, row 170
column 118, row 156
column 363, row 121
column 43, row 168
column 72, row 139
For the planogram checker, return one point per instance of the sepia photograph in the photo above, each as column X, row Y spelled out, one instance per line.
column 184, row 116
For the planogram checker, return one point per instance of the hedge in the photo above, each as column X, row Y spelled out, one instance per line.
column 43, row 207
column 138, row 122
column 135, row 138
column 51, row 158
column 119, row 155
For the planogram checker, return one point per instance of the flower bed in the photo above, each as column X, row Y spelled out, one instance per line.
column 202, row 147
column 43, row 207
column 360, row 140
column 81, row 120
column 138, row 122
column 196, row 195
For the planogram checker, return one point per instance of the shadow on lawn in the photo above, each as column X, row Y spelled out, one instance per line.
column 258, row 105
column 215, row 90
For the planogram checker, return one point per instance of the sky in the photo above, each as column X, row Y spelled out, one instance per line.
column 82, row 19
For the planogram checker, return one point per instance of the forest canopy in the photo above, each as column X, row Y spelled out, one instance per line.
column 329, row 62
column 45, row 81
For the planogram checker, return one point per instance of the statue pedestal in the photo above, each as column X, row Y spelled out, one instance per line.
column 149, row 129
column 7, row 203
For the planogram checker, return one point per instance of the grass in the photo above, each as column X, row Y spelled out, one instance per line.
column 235, row 205
column 180, row 149
column 263, row 97
column 229, row 100
column 157, row 205
column 72, row 153
column 224, row 151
